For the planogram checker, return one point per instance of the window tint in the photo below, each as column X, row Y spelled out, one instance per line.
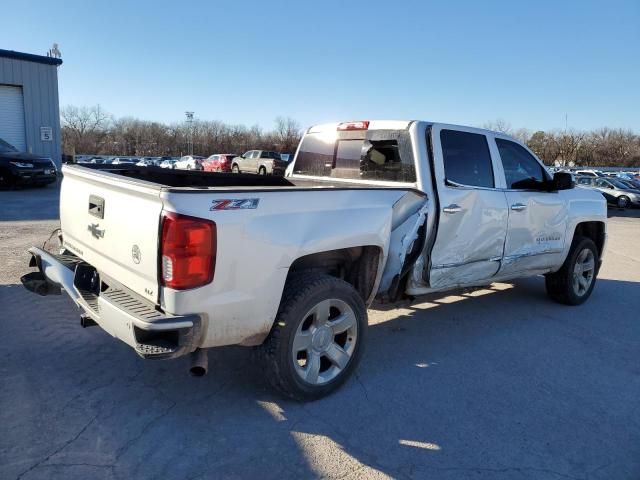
column 521, row 169
column 264, row 155
column 584, row 181
column 382, row 155
column 467, row 160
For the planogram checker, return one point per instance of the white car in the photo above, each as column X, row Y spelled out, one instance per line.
column 190, row 162
column 168, row 164
column 175, row 265
column 124, row 161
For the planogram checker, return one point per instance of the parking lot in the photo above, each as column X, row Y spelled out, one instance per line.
column 496, row 383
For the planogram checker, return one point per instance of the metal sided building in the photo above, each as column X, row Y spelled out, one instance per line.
column 29, row 108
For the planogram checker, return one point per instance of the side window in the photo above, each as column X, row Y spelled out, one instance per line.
column 466, row 157
column 248, row 154
column 521, row 169
column 584, row 181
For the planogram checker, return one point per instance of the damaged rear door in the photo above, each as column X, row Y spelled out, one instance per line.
column 473, row 216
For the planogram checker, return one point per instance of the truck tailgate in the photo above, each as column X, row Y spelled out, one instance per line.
column 114, row 226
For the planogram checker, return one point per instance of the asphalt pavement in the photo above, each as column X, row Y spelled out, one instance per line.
column 497, row 383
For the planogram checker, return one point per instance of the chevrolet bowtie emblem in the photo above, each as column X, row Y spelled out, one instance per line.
column 95, row 231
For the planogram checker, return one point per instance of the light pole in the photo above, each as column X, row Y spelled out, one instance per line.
column 190, row 136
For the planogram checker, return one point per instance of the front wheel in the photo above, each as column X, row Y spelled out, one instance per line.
column 317, row 338
column 623, row 202
column 235, row 169
column 574, row 282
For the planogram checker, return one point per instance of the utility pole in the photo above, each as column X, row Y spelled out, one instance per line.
column 190, row 134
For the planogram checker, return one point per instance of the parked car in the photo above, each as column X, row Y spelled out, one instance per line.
column 20, row 168
column 262, row 162
column 168, row 163
column 220, row 162
column 615, row 191
column 589, row 173
column 631, row 183
column 386, row 210
column 124, row 161
column 190, row 162
column 148, row 162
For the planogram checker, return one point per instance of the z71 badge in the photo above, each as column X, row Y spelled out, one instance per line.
column 235, row 204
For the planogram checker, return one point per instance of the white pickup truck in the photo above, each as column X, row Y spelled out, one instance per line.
column 173, row 263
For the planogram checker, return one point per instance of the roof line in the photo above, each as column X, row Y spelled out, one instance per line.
column 30, row 57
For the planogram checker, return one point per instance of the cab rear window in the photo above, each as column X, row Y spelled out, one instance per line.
column 380, row 155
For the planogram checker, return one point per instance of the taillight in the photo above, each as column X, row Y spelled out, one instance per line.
column 361, row 125
column 188, row 248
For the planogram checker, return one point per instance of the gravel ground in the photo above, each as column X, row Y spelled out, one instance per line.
column 500, row 383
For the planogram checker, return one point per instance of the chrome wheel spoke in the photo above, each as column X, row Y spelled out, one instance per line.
column 312, row 369
column 576, row 283
column 337, row 355
column 588, row 265
column 583, row 282
column 302, row 341
column 321, row 312
column 342, row 322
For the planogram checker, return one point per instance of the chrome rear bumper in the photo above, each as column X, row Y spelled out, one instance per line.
column 117, row 310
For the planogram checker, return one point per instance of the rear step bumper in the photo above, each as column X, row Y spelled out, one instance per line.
column 121, row 313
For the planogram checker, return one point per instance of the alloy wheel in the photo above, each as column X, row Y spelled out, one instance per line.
column 325, row 341
column 583, row 271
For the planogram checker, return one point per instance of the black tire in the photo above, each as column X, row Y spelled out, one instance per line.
column 6, row 179
column 560, row 285
column 262, row 171
column 301, row 294
column 235, row 168
column 622, row 202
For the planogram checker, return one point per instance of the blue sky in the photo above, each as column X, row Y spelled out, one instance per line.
column 467, row 62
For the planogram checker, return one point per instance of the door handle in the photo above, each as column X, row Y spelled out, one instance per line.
column 518, row 207
column 453, row 208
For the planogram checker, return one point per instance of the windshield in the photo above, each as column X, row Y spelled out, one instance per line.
column 617, row 183
column 6, row 147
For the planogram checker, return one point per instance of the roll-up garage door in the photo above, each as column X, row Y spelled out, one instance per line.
column 12, row 116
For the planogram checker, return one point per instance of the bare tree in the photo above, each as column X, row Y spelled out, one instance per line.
column 84, row 129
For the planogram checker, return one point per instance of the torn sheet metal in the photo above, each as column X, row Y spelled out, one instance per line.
column 409, row 214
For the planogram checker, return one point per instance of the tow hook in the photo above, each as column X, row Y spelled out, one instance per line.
column 86, row 321
column 199, row 363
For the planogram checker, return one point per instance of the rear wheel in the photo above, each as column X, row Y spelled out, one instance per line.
column 574, row 282
column 317, row 338
column 623, row 201
column 262, row 171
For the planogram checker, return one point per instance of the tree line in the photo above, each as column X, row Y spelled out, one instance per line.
column 93, row 131
column 603, row 147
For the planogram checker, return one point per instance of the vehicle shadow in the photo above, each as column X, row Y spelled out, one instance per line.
column 491, row 383
column 628, row 212
column 27, row 203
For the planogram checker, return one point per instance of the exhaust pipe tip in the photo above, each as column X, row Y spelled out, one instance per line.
column 199, row 363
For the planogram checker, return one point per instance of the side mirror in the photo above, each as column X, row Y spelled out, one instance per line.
column 562, row 181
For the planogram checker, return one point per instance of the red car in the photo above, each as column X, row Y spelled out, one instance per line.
column 220, row 162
